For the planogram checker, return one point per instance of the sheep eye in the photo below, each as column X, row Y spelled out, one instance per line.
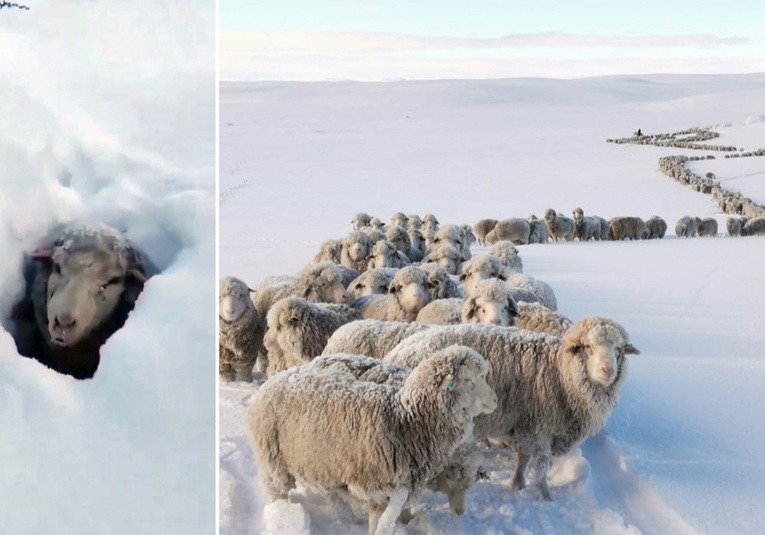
column 111, row 282
column 293, row 319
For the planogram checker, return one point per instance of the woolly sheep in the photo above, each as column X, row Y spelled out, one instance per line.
column 734, row 225
column 430, row 221
column 399, row 219
column 416, row 245
column 538, row 318
column 329, row 250
column 399, row 237
column 376, row 223
column 357, row 246
column 447, row 235
column 478, row 268
column 520, row 295
column 81, row 282
column 539, row 288
column 414, row 223
column 470, row 239
column 373, row 281
column 686, row 227
column 627, row 228
column 490, row 302
column 375, row 234
column 407, row 294
column 370, row 337
column 706, row 226
column 241, row 330
column 538, row 232
column 347, row 275
column 755, row 226
column 553, row 392
column 360, row 220
column 657, row 227
column 297, row 330
column 507, row 253
column 375, row 442
column 585, row 228
column 482, row 228
column 442, row 285
column 515, row 229
column 463, row 468
column 559, row 227
column 383, row 255
column 448, row 256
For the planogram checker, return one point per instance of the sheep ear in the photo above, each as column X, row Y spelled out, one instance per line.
column 293, row 319
column 463, row 276
column 250, row 290
column 134, row 281
column 570, row 348
column 482, row 474
column 393, row 289
column 629, row 349
column 502, row 277
column 513, row 307
column 448, row 382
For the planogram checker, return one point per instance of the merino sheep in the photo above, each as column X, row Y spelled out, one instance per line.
column 539, row 288
column 686, row 227
column 520, row 295
column 375, row 442
column 753, row 227
column 384, row 255
column 515, row 229
column 538, row 318
column 298, row 330
column 329, row 250
column 81, row 282
column 370, row 337
column 538, row 232
column 507, row 253
column 360, row 220
column 448, row 235
column 399, row 219
column 373, row 281
column 706, row 226
column 447, row 256
column 478, row 268
column 442, row 285
column 489, row 302
column 399, row 237
column 657, row 227
column 430, row 221
column 734, row 225
column 482, row 228
column 376, row 223
column 416, row 245
column 357, row 246
column 463, row 468
column 241, row 330
column 414, row 223
column 553, row 392
column 627, row 228
column 375, row 234
column 585, row 228
column 559, row 227
column 407, row 294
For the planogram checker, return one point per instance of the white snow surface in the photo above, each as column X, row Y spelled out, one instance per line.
column 108, row 114
column 682, row 453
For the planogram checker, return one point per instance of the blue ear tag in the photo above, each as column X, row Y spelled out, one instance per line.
column 450, row 385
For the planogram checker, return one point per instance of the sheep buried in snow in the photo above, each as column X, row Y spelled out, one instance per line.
column 560, row 227
column 553, row 392
column 298, row 330
column 241, row 330
column 357, row 246
column 81, row 282
column 463, row 468
column 489, row 302
column 407, row 294
column 372, row 338
column 377, row 443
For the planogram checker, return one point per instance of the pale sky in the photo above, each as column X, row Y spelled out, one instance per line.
column 427, row 39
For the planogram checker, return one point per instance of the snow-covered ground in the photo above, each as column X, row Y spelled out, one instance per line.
column 682, row 452
column 107, row 113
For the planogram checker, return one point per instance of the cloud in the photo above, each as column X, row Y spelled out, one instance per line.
column 372, row 43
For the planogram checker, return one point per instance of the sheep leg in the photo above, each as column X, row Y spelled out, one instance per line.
column 543, row 464
column 387, row 520
column 518, row 481
column 244, row 373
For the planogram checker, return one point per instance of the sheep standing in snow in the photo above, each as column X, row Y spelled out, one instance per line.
column 538, row 232
column 372, row 338
column 627, row 228
column 442, row 285
column 706, row 226
column 553, row 392
column 298, row 330
column 357, row 246
column 508, row 254
column 373, row 281
column 407, row 294
column 585, row 228
column 241, row 330
column 538, row 318
column 375, row 442
column 734, row 225
column 482, row 228
column 360, row 220
column 753, row 227
column 686, row 227
column 559, row 227
column 489, row 302
column 657, row 227
column 515, row 229
column 81, row 282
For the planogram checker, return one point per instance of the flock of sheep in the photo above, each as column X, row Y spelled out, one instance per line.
column 384, row 371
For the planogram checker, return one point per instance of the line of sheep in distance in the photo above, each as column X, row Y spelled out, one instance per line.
column 393, row 361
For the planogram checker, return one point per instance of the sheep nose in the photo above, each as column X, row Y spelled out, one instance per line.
column 64, row 321
column 494, row 321
column 608, row 370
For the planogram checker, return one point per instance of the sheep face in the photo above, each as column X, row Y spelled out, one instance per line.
column 85, row 286
column 578, row 215
column 360, row 220
column 411, row 296
column 603, row 347
column 231, row 307
column 369, row 283
column 399, row 238
column 483, row 309
column 476, row 394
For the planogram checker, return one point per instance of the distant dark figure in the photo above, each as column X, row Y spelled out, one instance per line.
column 638, row 133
